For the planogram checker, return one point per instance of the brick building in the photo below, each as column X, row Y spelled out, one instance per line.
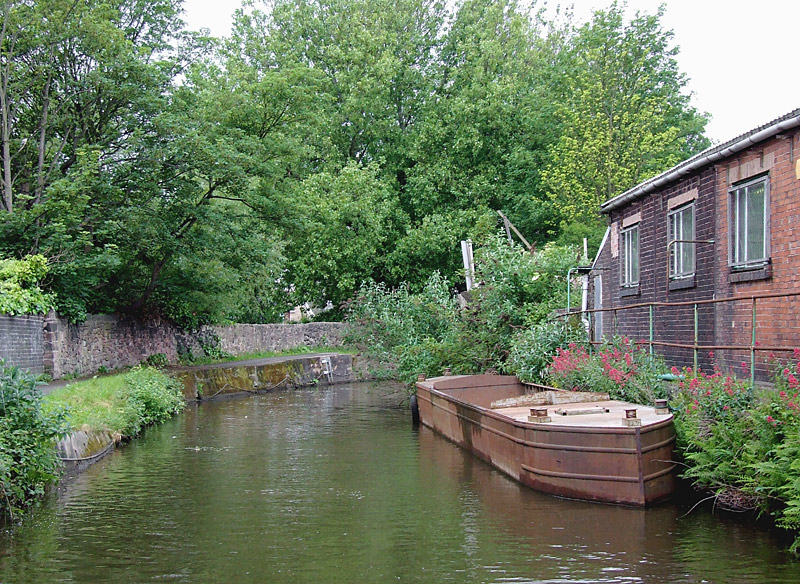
column 693, row 256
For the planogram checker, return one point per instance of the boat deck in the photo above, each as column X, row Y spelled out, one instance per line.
column 611, row 419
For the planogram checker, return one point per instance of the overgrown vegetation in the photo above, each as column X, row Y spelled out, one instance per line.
column 121, row 404
column 620, row 367
column 28, row 434
column 744, row 445
column 160, row 172
column 20, row 292
column 424, row 332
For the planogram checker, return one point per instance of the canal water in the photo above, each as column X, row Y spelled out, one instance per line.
column 333, row 485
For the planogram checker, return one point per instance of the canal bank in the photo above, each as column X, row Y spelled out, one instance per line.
column 82, row 448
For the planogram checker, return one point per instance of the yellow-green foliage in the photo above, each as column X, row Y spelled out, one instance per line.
column 19, row 292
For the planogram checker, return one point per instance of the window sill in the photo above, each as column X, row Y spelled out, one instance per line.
column 682, row 283
column 750, row 274
column 629, row 291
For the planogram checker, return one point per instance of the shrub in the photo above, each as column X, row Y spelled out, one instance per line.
column 121, row 404
column 28, row 460
column 532, row 349
column 153, row 396
column 621, row 368
column 157, row 360
column 414, row 332
column 518, row 289
column 19, row 292
column 742, row 445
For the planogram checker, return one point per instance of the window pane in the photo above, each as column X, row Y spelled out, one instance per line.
column 630, row 257
column 741, row 233
column 687, row 232
column 755, row 222
column 681, row 229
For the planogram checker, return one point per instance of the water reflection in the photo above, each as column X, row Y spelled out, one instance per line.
column 334, row 486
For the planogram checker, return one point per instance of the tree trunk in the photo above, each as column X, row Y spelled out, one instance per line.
column 5, row 130
column 42, row 140
column 6, row 138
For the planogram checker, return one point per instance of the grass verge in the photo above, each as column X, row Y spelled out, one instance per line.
column 122, row 404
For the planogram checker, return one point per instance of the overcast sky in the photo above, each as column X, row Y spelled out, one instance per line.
column 738, row 55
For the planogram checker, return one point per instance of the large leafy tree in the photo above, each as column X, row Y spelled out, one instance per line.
column 625, row 113
column 131, row 184
column 476, row 129
column 80, row 82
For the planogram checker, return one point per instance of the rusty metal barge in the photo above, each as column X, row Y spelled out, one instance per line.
column 569, row 444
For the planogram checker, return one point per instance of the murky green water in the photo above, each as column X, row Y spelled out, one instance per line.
column 334, row 486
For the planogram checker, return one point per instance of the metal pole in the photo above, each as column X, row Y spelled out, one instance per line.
column 569, row 282
column 652, row 309
column 753, row 348
column 696, row 339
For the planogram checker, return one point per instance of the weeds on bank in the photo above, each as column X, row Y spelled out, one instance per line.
column 744, row 444
column 122, row 404
column 28, row 433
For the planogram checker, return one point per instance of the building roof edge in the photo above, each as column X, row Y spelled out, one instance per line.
column 705, row 158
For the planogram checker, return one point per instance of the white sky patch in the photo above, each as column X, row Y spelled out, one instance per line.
column 741, row 59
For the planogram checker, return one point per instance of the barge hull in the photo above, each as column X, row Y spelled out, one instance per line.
column 604, row 463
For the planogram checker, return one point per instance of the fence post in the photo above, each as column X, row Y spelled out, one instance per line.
column 753, row 348
column 652, row 310
column 696, row 335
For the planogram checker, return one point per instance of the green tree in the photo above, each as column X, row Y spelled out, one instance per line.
column 341, row 234
column 625, row 114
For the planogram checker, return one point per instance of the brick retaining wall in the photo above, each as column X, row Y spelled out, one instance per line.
column 21, row 341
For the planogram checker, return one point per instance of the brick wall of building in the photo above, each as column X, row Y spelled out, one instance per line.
column 777, row 320
column 719, row 324
column 673, row 324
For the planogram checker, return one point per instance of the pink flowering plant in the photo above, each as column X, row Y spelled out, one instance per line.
column 622, row 368
column 741, row 444
column 783, row 410
column 704, row 399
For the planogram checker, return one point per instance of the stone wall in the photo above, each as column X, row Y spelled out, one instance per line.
column 21, row 341
column 113, row 342
column 54, row 346
column 104, row 341
column 248, row 338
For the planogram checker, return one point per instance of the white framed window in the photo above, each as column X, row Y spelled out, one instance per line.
column 629, row 255
column 749, row 222
column 681, row 254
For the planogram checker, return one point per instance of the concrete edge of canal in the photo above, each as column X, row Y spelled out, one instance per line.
column 81, row 449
